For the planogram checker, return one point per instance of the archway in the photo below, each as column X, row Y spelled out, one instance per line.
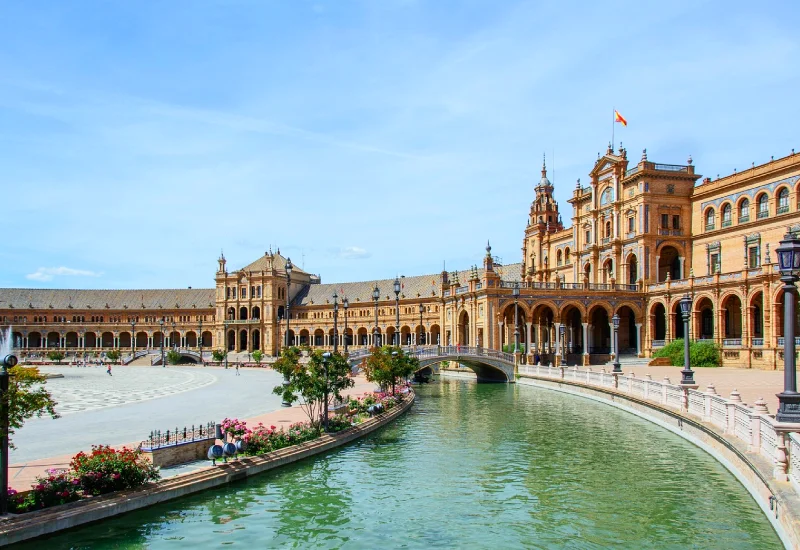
column 208, row 340
column 732, row 317
column 53, row 340
column 231, row 314
column 435, row 335
column 107, row 340
column 174, row 339
column 669, row 263
column 757, row 316
column 573, row 334
column 509, row 332
column 243, row 313
column 125, row 339
column 256, row 313
column 363, row 337
column 633, row 269
column 677, row 327
column 243, row 340
column 71, row 340
column 231, row 340
column 543, row 319
column 627, row 330
column 390, row 336
column 34, row 339
column 191, row 339
column 158, row 339
column 405, row 335
column 141, row 340
column 256, row 339
column 608, row 270
column 705, row 310
column 600, row 331
column 462, row 334
column 658, row 323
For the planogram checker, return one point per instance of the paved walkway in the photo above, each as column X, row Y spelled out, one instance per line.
column 137, row 418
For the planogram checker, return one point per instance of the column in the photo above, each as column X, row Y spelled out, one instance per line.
column 681, row 260
column 558, row 338
column 585, row 338
column 670, row 328
column 638, row 339
column 149, row 341
column 528, row 337
column 590, row 341
column 500, row 332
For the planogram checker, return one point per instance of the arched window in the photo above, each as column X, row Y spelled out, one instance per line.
column 783, row 201
column 744, row 211
column 727, row 215
column 710, row 219
column 605, row 196
column 608, row 229
column 763, row 205
column 559, row 257
column 567, row 258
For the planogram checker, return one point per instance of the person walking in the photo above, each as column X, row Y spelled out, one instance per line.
column 237, row 369
column 108, row 370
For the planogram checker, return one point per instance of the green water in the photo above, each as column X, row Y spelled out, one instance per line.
column 470, row 466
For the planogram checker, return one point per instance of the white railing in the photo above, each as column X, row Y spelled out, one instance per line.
column 751, row 425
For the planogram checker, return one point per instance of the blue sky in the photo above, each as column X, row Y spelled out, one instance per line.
column 363, row 138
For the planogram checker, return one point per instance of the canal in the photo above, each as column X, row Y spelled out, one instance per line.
column 470, row 466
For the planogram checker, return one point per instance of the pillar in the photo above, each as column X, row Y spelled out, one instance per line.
column 585, row 338
column 558, row 338
column 500, row 332
column 528, row 338
column 681, row 260
column 638, row 339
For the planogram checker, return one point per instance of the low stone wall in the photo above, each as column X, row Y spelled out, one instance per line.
column 36, row 524
column 778, row 500
column 179, row 454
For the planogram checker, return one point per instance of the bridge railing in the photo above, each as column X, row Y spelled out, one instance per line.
column 751, row 424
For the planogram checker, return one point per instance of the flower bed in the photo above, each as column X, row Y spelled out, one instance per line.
column 104, row 470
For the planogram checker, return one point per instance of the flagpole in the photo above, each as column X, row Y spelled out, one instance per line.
column 613, row 122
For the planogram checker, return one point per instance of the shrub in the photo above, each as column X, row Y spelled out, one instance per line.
column 338, row 423
column 173, row 357
column 113, row 355
column 702, row 353
column 56, row 356
column 258, row 356
column 218, row 355
column 59, row 487
column 106, row 469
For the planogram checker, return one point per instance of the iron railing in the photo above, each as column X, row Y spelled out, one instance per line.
column 169, row 438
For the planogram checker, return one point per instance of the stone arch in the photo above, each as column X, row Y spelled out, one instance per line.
column 743, row 209
column 141, row 339
column 71, row 340
column 756, row 316
column 53, row 339
column 174, row 339
column 191, row 339
column 124, row 339
column 436, row 334
column 319, row 337
column 243, row 340
column 256, row 313
column 207, row 339
column 669, row 255
column 243, row 313
column 567, row 256
column 572, row 315
column 256, row 339
column 627, row 331
column 608, row 270
column 158, row 339
column 704, row 310
column 658, row 321
column 762, row 205
column 632, row 265
column 35, row 339
column 782, row 199
column 304, row 337
column 726, row 213
column 709, row 218
column 599, row 329
column 507, row 334
column 362, row 336
column 390, row 335
column 231, row 315
column 405, row 335
column 731, row 304
column 107, row 340
column 231, row 344
column 677, row 316
column 462, row 332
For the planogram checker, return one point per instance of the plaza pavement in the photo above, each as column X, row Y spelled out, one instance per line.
column 123, row 408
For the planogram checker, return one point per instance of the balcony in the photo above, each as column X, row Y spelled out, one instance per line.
column 783, row 209
column 758, row 342
column 727, row 223
column 744, row 219
column 710, row 227
column 763, row 214
column 731, row 342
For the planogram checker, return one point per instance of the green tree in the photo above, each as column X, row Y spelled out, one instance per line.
column 314, row 382
column 56, row 356
column 26, row 398
column 218, row 355
column 113, row 355
column 258, row 356
column 173, row 357
column 389, row 364
column 702, row 353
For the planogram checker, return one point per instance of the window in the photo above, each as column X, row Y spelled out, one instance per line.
column 763, row 206
column 608, row 229
column 709, row 219
column 676, row 222
column 630, row 224
column 715, row 266
column 567, row 259
column 244, row 292
column 605, row 197
column 727, row 215
column 753, row 257
column 559, row 257
column 588, row 237
column 664, row 221
column 783, row 201
column 744, row 211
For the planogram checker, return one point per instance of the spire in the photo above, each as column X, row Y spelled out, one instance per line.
column 544, row 165
column 488, row 248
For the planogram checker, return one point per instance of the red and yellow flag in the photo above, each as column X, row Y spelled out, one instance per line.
column 619, row 118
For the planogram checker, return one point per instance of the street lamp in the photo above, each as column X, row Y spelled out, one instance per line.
column 562, row 330
column 421, row 327
column 335, row 321
column 345, row 304
column 789, row 266
column 225, row 340
column 325, row 358
column 8, row 362
column 200, row 338
column 617, row 366
column 174, row 344
column 397, row 311
column 288, row 269
column 376, row 294
column 133, row 339
column 687, row 372
column 161, row 322
column 515, row 294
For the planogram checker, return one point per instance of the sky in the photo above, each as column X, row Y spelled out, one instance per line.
column 365, row 139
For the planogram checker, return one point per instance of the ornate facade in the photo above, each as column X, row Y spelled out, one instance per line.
column 642, row 235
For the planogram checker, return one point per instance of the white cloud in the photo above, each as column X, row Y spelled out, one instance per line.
column 47, row 273
column 354, row 253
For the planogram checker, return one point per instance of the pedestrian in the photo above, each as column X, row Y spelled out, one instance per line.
column 237, row 369
column 109, row 369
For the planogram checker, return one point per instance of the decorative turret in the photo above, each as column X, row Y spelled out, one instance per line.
column 222, row 262
column 544, row 209
column 488, row 261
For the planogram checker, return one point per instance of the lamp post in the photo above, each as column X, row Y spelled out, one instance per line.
column 687, row 372
column 515, row 294
column 421, row 327
column 376, row 294
column 335, row 321
column 225, row 340
column 8, row 362
column 174, row 344
column 163, row 364
column 617, row 366
column 200, row 338
column 789, row 266
column 325, row 358
column 133, row 339
column 562, row 330
column 345, row 305
column 288, row 268
column 397, row 311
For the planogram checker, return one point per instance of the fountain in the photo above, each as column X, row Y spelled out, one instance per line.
column 6, row 339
